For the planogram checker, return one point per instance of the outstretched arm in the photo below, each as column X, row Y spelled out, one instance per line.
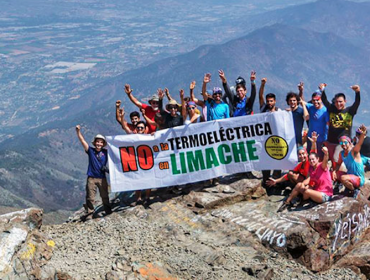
column 253, row 90
column 206, row 80
column 192, row 96
column 325, row 160
column 167, row 92
column 261, row 92
column 226, row 87
column 356, row 104
column 306, row 115
column 183, row 105
column 133, row 99
column 300, row 90
column 81, row 138
column 124, row 123
column 147, row 120
column 313, row 140
column 323, row 95
column 272, row 182
column 118, row 105
column 356, row 149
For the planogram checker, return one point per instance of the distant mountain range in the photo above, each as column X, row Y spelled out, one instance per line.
column 324, row 41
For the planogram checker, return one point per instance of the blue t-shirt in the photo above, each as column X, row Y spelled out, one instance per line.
column 240, row 109
column 319, row 119
column 298, row 124
column 96, row 161
column 217, row 111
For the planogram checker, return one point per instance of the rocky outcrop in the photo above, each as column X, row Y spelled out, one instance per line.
column 23, row 249
column 199, row 231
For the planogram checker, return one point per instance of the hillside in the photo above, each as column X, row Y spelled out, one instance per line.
column 46, row 166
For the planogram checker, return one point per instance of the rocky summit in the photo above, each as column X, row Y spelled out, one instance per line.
column 197, row 231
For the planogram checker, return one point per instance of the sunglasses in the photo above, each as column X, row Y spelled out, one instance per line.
column 343, row 142
column 172, row 107
column 154, row 102
column 140, row 127
column 217, row 93
column 191, row 108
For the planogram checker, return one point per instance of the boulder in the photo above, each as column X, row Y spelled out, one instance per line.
column 23, row 249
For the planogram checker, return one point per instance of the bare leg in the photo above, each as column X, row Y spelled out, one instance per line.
column 314, row 195
column 346, row 181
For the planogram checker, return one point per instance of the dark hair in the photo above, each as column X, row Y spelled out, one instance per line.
column 340, row 95
column 271, row 95
column 240, row 86
column 315, row 94
column 141, row 122
column 292, row 95
column 315, row 154
column 134, row 114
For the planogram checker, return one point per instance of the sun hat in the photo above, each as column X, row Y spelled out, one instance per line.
column 154, row 98
column 99, row 136
column 171, row 103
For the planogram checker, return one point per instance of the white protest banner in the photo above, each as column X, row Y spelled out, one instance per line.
column 201, row 151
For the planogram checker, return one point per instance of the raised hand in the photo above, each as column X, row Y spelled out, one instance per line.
column 356, row 88
column 221, row 74
column 121, row 112
column 300, row 86
column 128, row 89
column 363, row 129
column 207, row 78
column 160, row 93
column 78, row 127
column 263, row 81
column 322, row 86
column 253, row 76
column 118, row 103
column 313, row 137
column 325, row 150
column 167, row 92
column 181, row 94
column 192, row 85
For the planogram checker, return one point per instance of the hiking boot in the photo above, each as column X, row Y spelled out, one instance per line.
column 283, row 206
column 215, row 182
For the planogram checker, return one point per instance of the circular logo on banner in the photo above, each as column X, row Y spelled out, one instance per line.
column 276, row 147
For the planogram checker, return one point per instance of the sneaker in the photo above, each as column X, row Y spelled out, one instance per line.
column 283, row 206
column 88, row 217
column 215, row 182
column 250, row 175
column 356, row 192
column 176, row 190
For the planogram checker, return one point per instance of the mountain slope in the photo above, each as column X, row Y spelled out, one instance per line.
column 46, row 166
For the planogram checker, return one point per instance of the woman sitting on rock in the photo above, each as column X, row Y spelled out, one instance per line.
column 300, row 172
column 317, row 186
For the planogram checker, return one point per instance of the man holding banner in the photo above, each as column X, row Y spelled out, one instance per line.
column 187, row 154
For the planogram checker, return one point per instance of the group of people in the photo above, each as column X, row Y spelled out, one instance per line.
column 328, row 137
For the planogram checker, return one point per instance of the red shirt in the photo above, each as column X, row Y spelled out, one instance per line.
column 150, row 113
column 302, row 168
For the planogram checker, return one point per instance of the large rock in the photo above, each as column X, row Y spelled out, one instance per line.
column 359, row 258
column 23, row 249
column 315, row 236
